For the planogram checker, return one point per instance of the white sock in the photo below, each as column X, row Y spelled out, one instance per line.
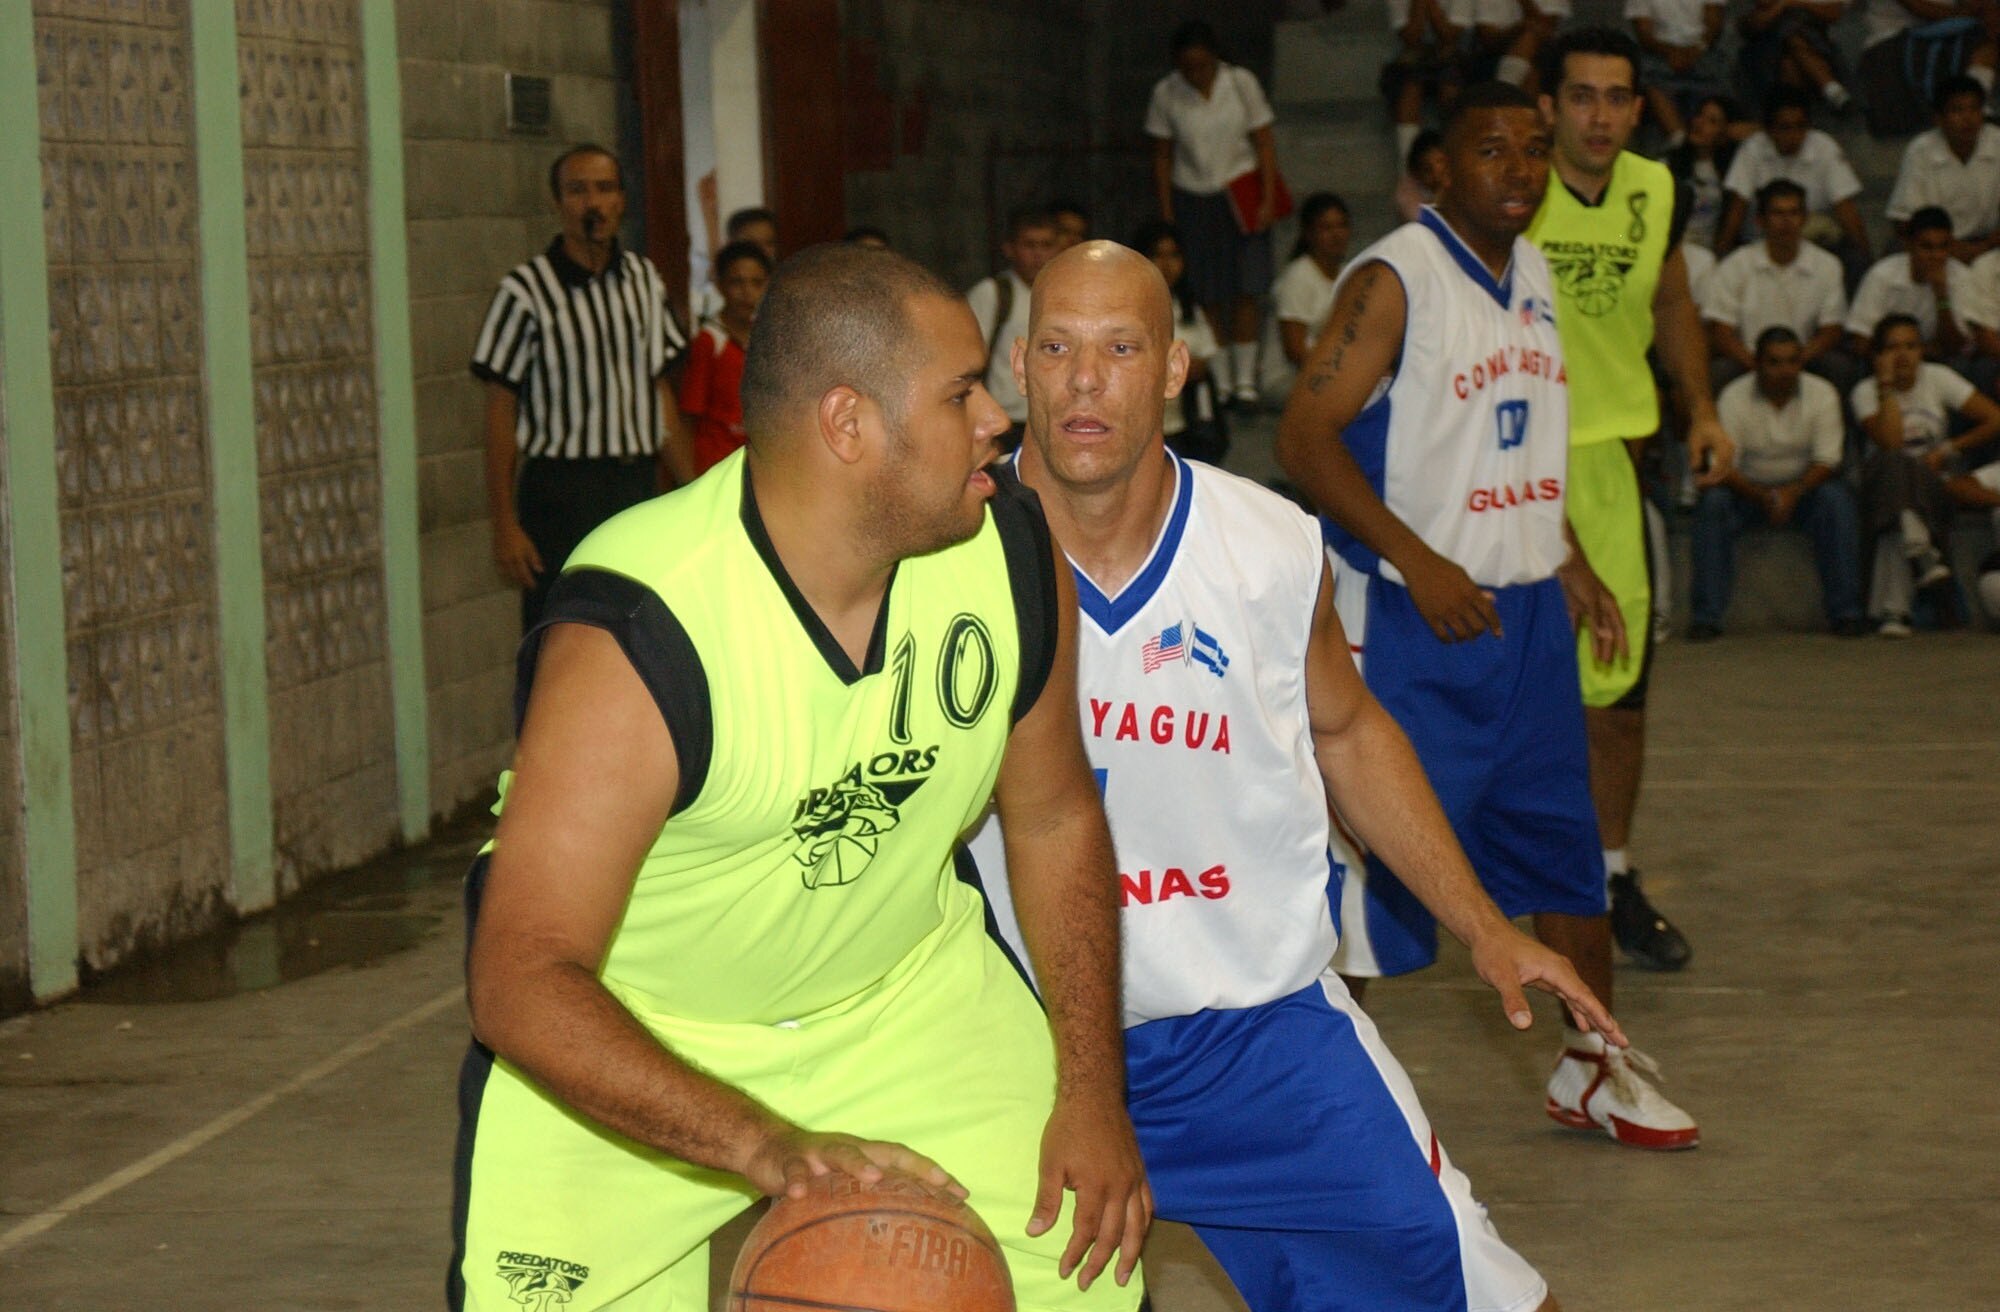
column 1222, row 374
column 1616, row 862
column 1406, row 136
column 1916, row 534
column 1982, row 75
column 1582, row 1041
column 1243, row 363
column 1513, row 69
column 1836, row 94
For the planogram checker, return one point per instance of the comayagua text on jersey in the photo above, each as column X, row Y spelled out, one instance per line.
column 1161, row 724
column 1533, row 362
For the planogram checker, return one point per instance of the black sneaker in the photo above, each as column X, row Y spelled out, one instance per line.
column 1647, row 937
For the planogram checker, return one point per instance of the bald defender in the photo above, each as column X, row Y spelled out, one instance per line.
column 1223, row 716
column 718, row 944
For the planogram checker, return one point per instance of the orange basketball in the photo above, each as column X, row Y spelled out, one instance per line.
column 893, row 1246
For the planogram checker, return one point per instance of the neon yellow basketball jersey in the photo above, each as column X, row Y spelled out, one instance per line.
column 810, row 848
column 1606, row 259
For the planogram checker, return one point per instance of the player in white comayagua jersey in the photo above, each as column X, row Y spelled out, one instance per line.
column 1222, row 713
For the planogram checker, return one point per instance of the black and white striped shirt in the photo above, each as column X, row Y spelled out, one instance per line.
column 582, row 351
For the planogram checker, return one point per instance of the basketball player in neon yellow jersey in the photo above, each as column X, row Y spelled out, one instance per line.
column 1610, row 225
column 718, row 943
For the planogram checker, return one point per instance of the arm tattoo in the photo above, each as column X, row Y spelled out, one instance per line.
column 1329, row 369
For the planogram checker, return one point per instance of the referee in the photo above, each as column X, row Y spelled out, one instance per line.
column 580, row 417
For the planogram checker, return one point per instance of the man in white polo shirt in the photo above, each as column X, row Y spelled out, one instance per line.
column 1782, row 280
column 1790, row 147
column 1788, row 435
column 1956, row 166
column 1937, row 291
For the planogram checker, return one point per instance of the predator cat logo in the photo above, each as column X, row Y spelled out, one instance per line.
column 840, row 827
column 540, row 1284
column 1591, row 276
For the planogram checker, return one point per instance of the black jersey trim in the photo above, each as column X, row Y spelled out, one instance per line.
column 967, row 869
column 1031, row 574
column 658, row 647
column 829, row 647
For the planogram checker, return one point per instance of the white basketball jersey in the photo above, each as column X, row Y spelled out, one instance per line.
column 1468, row 444
column 1192, row 687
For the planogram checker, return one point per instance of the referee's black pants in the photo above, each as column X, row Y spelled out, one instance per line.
column 560, row 501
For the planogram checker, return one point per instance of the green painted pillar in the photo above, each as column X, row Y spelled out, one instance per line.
column 395, row 393
column 34, row 521
column 232, row 450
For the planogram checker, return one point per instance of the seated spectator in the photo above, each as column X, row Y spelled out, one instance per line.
column 1000, row 303
column 1072, row 222
column 1790, row 147
column 1955, row 166
column 1786, row 44
column 1423, row 174
column 1193, row 423
column 1886, row 20
column 1428, row 62
column 1925, row 283
column 1508, row 36
column 1679, row 60
column 711, row 389
column 1914, row 475
column 867, row 235
column 1304, row 291
column 1782, row 280
column 1701, row 162
column 1788, row 435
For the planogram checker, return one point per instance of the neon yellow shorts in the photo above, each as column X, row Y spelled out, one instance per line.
column 950, row 1054
column 1604, row 509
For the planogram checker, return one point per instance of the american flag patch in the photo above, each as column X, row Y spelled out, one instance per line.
column 1162, row 649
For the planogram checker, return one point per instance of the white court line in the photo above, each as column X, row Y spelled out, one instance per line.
column 41, row 1222
column 1823, row 749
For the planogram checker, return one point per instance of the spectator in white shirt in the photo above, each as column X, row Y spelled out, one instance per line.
column 1924, row 282
column 1956, row 166
column 1210, row 126
column 1423, row 175
column 1000, row 303
column 1509, row 35
column 1304, row 291
column 1193, row 423
column 1679, row 61
column 1428, row 62
column 1790, row 147
column 1914, row 475
column 1788, row 435
column 1781, row 281
column 1702, row 161
column 1883, row 20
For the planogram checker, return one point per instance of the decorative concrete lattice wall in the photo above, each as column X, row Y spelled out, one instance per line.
column 333, row 761
column 132, row 468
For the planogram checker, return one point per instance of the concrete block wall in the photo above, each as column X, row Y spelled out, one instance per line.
column 1010, row 102
column 477, row 203
column 14, row 991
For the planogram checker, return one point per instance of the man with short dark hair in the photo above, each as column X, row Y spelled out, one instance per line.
column 1000, row 304
column 1072, row 222
column 1444, row 476
column 719, row 925
column 1791, row 147
column 1926, row 283
column 581, row 420
column 1782, row 280
column 1611, row 223
column 1955, row 165
column 1789, row 437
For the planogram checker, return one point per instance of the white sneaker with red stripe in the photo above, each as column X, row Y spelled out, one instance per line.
column 1603, row 1088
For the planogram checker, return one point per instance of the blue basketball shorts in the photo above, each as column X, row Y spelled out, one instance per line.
column 1293, row 1143
column 1498, row 725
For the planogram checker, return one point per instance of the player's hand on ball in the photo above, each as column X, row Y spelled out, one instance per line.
column 1088, row 1148
column 1453, row 605
column 1512, row 962
column 786, row 1159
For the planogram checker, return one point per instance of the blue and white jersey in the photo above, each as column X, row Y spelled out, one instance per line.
column 1468, row 442
column 1191, row 682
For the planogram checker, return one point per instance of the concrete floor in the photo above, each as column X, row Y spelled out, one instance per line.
column 1821, row 818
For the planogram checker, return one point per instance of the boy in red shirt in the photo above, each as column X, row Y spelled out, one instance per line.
column 711, row 388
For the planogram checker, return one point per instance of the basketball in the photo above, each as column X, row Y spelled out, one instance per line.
column 893, row 1246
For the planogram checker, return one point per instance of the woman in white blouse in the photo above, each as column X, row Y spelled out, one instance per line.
column 1304, row 292
column 1210, row 126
